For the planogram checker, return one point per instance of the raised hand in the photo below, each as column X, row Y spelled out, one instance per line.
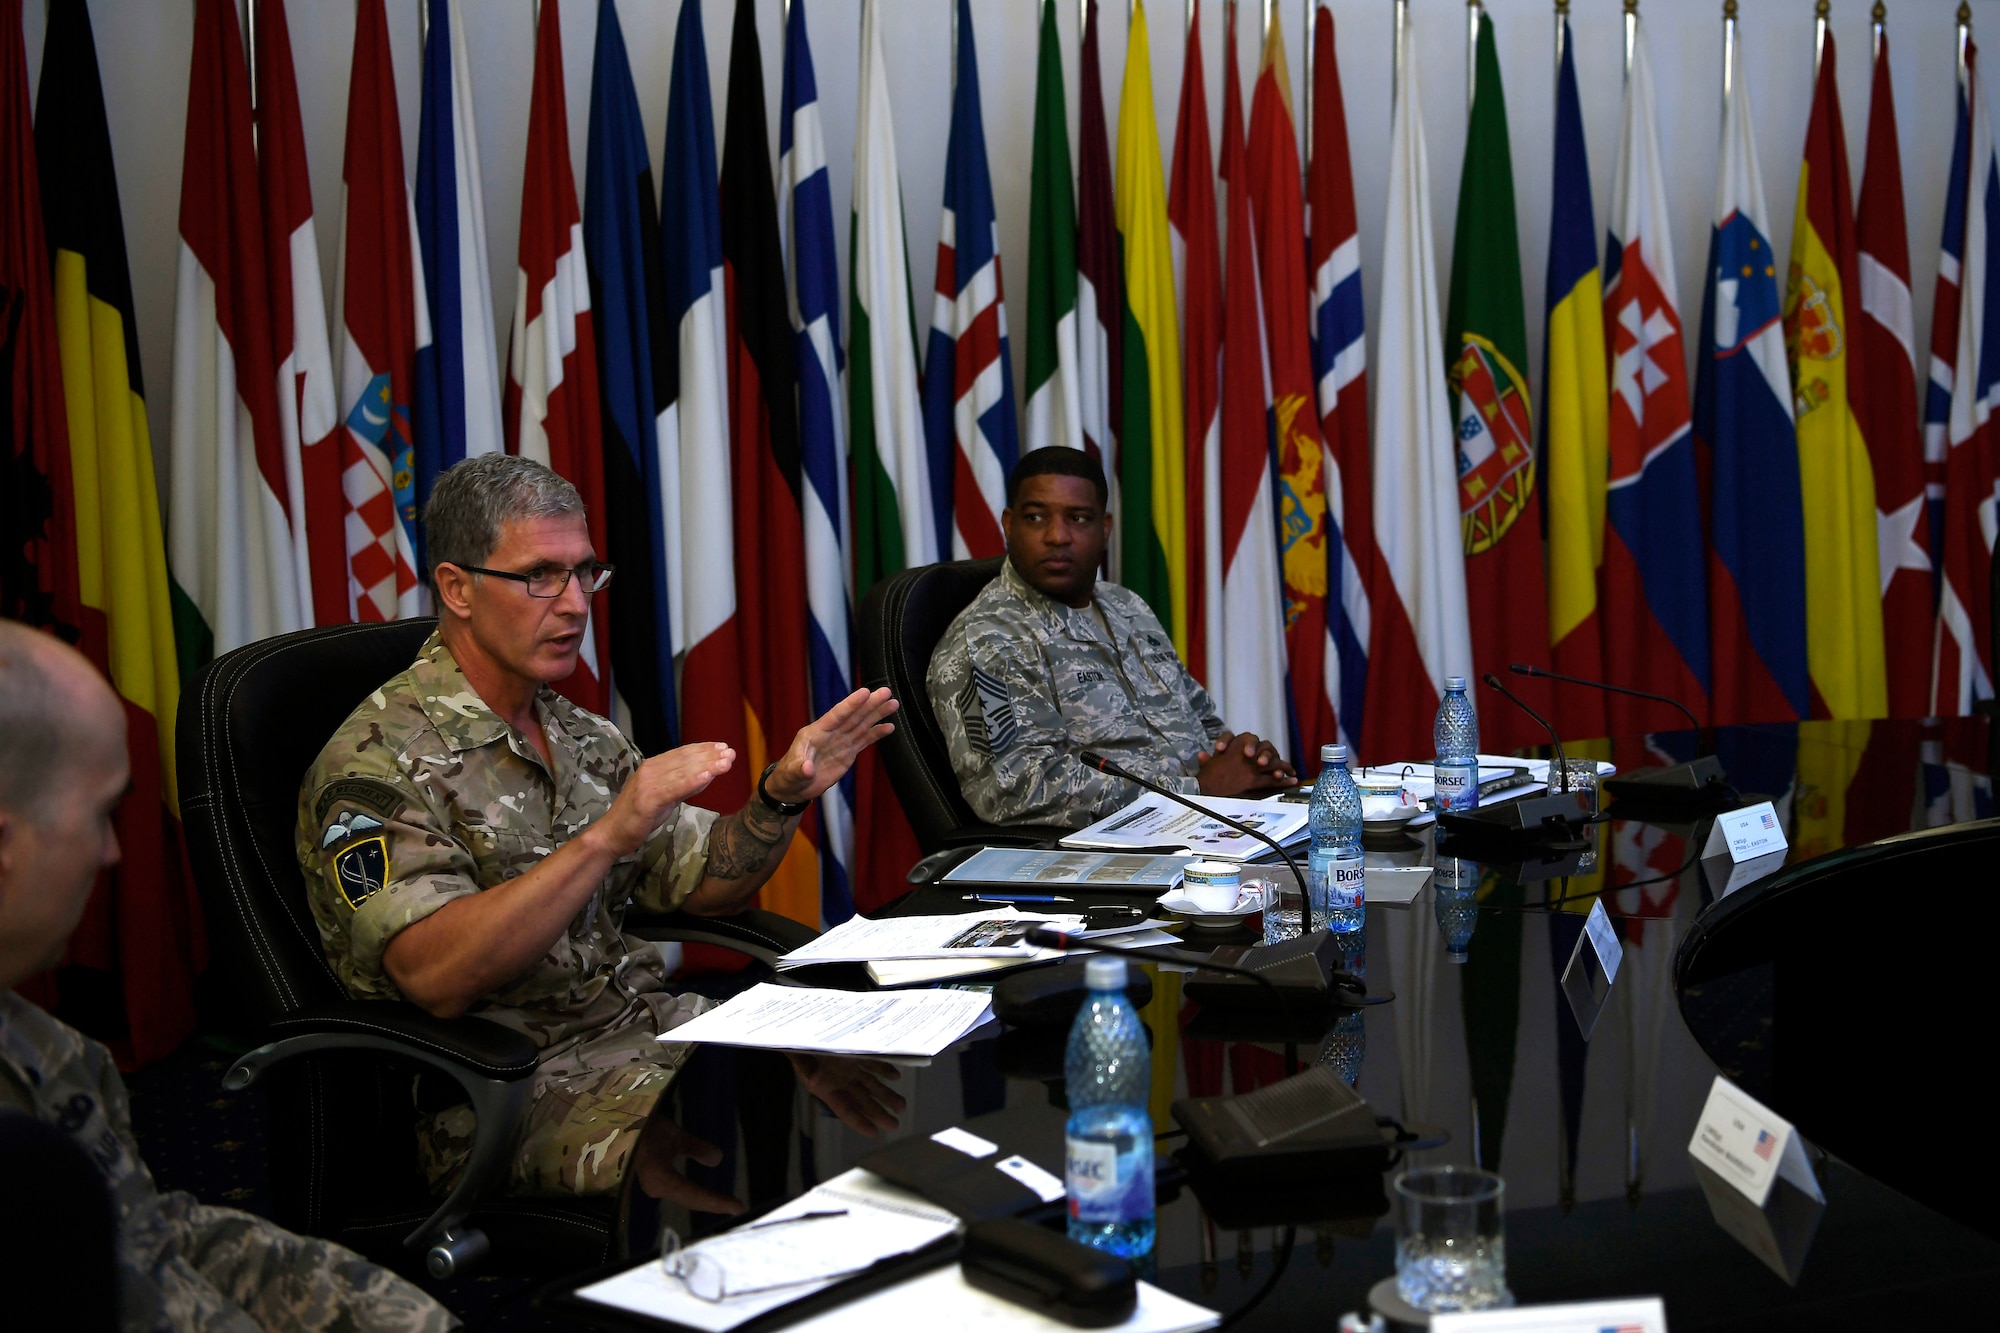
column 656, row 789
column 824, row 750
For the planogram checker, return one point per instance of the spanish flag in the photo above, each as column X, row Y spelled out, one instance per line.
column 1843, row 589
column 1152, row 468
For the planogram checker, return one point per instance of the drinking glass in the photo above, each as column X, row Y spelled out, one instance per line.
column 1582, row 778
column 1284, row 907
column 1451, row 1239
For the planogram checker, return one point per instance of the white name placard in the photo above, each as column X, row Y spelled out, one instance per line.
column 1753, row 831
column 1643, row 1315
column 1749, row 1145
column 1604, row 939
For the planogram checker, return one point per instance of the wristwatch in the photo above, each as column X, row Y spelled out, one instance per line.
column 786, row 809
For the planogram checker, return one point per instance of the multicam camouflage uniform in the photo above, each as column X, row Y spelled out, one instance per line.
column 1021, row 683
column 182, row 1264
column 425, row 795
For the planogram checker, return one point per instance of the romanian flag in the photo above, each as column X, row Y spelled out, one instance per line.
column 1152, row 470
column 1836, row 480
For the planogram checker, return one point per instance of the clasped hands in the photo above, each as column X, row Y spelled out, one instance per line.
column 1243, row 764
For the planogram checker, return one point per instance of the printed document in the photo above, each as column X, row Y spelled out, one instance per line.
column 1098, row 870
column 891, row 1024
column 1155, row 821
column 998, row 932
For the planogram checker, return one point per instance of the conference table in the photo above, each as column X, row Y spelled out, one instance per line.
column 1482, row 1045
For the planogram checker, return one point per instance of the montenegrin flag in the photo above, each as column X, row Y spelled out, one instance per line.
column 1837, row 481
column 1198, row 285
column 1051, row 368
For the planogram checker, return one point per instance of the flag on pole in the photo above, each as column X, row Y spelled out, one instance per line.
column 385, row 328
column 1964, row 670
column 229, row 523
column 968, row 390
column 806, row 216
column 1340, row 371
column 1486, row 338
column 1152, row 467
column 1944, row 342
column 1654, row 606
column 1885, row 347
column 458, row 384
column 1100, row 296
column 1198, row 287
column 1422, row 634
column 636, row 379
column 306, row 415
column 1051, row 374
column 764, row 459
column 1837, row 481
column 1277, row 213
column 1743, row 418
column 694, row 431
column 1247, row 676
column 550, row 412
column 144, row 921
column 1575, row 410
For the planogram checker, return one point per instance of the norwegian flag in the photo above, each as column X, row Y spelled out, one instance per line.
column 385, row 328
column 550, row 412
column 968, row 395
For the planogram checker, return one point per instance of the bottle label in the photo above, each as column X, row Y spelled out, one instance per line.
column 1091, row 1171
column 1319, row 879
column 1106, row 1185
column 1457, row 785
column 1349, row 886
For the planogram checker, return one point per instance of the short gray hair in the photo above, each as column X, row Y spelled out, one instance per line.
column 473, row 498
column 31, row 720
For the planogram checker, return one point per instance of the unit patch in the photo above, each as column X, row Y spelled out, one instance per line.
column 362, row 869
column 371, row 794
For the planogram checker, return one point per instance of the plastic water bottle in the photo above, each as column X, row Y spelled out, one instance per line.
column 1108, row 1164
column 1456, row 771
column 1455, row 898
column 1338, row 880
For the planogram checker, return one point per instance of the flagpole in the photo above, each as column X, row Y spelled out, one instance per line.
column 423, row 24
column 1473, row 9
column 1307, row 30
column 1562, row 30
column 1728, row 50
column 250, row 53
column 1631, row 32
column 1964, row 35
column 1820, row 8
column 1878, row 27
column 1396, row 51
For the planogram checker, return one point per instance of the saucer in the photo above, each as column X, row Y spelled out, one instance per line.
column 1248, row 903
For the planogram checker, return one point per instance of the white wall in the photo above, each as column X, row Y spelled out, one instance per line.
column 143, row 47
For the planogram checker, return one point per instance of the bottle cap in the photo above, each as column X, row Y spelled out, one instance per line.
column 1333, row 754
column 1102, row 973
column 1454, row 682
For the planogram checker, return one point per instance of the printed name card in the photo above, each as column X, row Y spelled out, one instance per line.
column 1749, row 1145
column 1753, row 831
column 1644, row 1315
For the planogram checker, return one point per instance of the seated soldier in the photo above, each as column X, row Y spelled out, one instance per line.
column 471, row 841
column 180, row 1263
column 1049, row 661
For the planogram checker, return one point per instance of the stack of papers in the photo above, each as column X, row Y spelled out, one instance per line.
column 1154, row 821
column 920, row 971
column 999, row 933
column 890, row 1025
column 1096, row 871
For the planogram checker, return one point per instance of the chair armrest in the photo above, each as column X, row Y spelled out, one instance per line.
column 479, row 1045
column 765, row 936
column 1040, row 836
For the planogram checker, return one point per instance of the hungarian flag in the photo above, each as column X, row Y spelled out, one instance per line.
column 229, row 500
column 1100, row 298
column 1152, row 468
column 694, row 431
column 1198, row 285
column 1575, row 429
column 1277, row 212
column 306, row 414
column 636, row 379
column 1051, row 373
column 385, row 332
column 1416, row 475
column 1340, row 371
column 1654, row 606
column 1486, row 339
column 144, row 920
column 806, row 215
column 1837, row 481
column 1247, row 675
column 764, row 458
column 550, row 413
column 458, row 385
column 1885, row 344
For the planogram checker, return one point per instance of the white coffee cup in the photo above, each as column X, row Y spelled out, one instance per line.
column 1213, row 886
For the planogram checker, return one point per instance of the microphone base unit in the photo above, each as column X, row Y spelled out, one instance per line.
column 1304, row 970
column 1696, row 786
column 1556, row 818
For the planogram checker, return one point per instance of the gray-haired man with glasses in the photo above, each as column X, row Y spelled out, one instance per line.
column 471, row 841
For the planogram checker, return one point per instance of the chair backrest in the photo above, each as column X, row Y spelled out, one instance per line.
column 251, row 723
column 901, row 621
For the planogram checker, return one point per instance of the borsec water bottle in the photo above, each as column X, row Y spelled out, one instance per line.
column 1108, row 1162
column 1456, row 772
column 1338, row 878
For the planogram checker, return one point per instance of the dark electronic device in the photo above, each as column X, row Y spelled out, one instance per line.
column 1696, row 784
column 1050, row 996
column 1310, row 1124
column 1049, row 1273
column 1302, row 970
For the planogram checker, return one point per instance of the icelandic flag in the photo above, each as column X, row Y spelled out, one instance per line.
column 1743, row 419
column 458, row 382
column 806, row 214
column 968, row 396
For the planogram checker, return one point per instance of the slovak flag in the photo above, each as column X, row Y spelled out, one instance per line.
column 969, row 426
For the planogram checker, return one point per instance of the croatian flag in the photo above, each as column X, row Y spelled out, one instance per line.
column 968, row 370
column 458, row 385
column 806, row 213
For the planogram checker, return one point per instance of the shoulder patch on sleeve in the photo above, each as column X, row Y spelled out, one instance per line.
column 362, row 868
column 996, row 725
column 379, row 798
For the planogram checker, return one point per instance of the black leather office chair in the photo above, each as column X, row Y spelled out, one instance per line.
column 902, row 619
column 343, row 1151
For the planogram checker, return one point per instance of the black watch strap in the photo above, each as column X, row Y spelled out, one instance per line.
column 776, row 806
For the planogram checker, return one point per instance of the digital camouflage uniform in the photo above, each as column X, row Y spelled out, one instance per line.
column 182, row 1264
column 425, row 795
column 1022, row 682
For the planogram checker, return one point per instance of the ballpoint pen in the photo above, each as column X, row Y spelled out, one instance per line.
column 1016, row 898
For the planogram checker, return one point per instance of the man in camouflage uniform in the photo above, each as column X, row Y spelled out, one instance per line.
column 1047, row 662
column 471, row 841
column 181, row 1264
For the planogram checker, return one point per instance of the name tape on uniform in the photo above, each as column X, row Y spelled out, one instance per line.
column 1749, row 1145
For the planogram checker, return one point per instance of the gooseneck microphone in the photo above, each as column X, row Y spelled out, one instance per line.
column 1521, row 669
column 1562, row 763
column 1698, row 783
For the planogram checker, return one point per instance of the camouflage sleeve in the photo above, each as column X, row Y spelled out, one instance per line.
column 676, row 860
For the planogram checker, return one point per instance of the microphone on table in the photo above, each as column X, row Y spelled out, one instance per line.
column 1295, row 970
column 1562, row 763
column 1548, row 819
column 1695, row 782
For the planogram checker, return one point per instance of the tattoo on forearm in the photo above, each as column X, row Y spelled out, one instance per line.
column 741, row 843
